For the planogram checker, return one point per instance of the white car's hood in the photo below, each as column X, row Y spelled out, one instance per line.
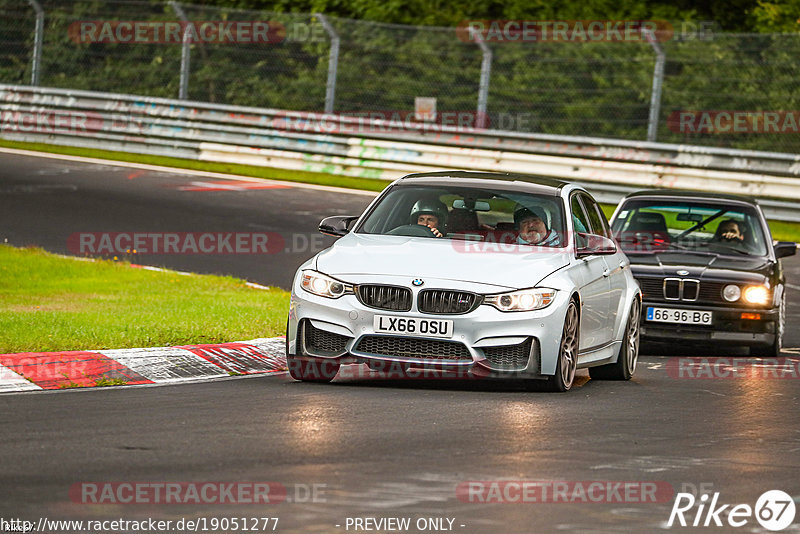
column 511, row 266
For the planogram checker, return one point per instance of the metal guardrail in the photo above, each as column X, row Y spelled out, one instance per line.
column 384, row 149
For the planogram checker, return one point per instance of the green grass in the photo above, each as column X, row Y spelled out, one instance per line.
column 781, row 230
column 51, row 303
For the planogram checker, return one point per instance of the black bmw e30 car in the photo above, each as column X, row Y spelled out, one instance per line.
column 707, row 266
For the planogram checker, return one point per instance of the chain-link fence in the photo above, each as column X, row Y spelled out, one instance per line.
column 310, row 62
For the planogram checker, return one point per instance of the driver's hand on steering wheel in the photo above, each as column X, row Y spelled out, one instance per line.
column 436, row 232
column 732, row 236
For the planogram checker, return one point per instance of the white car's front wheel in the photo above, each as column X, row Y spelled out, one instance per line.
column 568, row 352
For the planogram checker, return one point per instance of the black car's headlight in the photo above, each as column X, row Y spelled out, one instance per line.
column 756, row 295
column 522, row 300
column 323, row 285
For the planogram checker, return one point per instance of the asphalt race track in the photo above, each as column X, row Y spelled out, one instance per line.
column 366, row 446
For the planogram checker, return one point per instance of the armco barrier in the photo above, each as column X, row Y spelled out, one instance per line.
column 384, row 149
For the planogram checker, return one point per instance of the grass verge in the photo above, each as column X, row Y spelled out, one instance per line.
column 52, row 303
column 781, row 230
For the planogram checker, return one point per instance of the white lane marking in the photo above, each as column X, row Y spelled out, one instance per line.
column 11, row 381
column 189, row 172
column 792, row 286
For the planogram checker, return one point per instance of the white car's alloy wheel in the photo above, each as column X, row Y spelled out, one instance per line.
column 568, row 351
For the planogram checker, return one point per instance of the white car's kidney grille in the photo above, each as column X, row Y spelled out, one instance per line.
column 445, row 301
column 390, row 298
column 509, row 355
column 321, row 342
column 404, row 347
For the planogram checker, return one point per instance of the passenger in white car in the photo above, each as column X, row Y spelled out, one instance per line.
column 533, row 229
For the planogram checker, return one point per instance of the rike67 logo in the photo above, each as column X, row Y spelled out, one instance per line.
column 774, row 511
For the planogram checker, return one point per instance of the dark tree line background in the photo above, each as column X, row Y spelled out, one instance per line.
column 748, row 61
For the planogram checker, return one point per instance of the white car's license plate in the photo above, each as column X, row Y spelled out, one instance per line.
column 415, row 326
column 672, row 315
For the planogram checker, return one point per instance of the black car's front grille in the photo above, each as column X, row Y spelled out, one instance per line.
column 509, row 355
column 445, row 301
column 671, row 289
column 390, row 298
column 404, row 347
column 321, row 342
column 691, row 288
column 652, row 288
column 711, row 292
column 702, row 292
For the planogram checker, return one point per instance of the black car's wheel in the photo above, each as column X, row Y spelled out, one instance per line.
column 625, row 365
column 773, row 350
column 310, row 369
column 568, row 352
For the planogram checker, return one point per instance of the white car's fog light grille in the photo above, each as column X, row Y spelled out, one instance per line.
column 321, row 343
column 443, row 301
column 403, row 347
column 509, row 355
column 391, row 298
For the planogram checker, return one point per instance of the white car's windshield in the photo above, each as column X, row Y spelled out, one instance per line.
column 469, row 214
column 664, row 225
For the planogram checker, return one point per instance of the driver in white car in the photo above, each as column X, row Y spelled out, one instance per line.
column 431, row 213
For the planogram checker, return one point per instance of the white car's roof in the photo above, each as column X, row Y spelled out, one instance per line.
column 503, row 181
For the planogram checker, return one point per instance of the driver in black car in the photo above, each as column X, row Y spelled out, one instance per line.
column 728, row 231
column 431, row 213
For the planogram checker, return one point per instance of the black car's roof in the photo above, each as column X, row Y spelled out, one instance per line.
column 533, row 183
column 686, row 195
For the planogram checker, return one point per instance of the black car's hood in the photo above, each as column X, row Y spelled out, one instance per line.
column 699, row 266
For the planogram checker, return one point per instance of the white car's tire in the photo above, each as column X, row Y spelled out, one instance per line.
column 567, row 364
column 628, row 356
column 309, row 369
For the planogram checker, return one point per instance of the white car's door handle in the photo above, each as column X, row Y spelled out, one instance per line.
column 606, row 272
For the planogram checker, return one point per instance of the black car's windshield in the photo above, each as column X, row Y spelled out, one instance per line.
column 469, row 214
column 644, row 225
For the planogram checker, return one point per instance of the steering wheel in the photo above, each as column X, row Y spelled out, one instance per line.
column 412, row 230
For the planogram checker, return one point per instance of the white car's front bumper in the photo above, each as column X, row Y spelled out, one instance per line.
column 489, row 341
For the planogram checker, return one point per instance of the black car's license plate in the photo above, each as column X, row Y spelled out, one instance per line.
column 673, row 315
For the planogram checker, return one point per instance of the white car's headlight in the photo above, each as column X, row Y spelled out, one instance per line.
column 323, row 285
column 522, row 300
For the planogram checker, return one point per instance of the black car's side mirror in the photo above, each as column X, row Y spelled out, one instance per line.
column 336, row 226
column 589, row 244
column 785, row 248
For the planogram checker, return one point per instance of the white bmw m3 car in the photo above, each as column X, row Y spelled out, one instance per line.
column 482, row 274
